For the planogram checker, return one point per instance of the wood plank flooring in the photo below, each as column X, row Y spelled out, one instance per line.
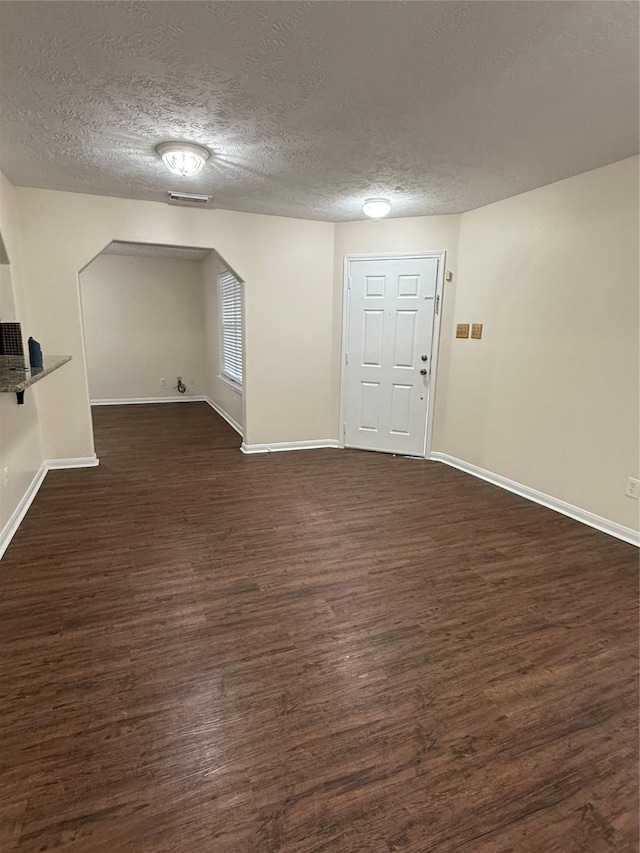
column 310, row 652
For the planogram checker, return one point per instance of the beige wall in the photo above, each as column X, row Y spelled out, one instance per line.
column 20, row 439
column 414, row 234
column 288, row 320
column 7, row 301
column 286, row 265
column 223, row 393
column 143, row 320
column 549, row 396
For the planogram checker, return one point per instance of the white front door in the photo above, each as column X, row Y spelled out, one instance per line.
column 391, row 309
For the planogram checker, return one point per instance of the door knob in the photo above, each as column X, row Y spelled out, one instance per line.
column 424, row 357
column 423, row 372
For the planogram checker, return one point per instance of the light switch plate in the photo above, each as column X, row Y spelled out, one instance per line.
column 462, row 330
column 476, row 331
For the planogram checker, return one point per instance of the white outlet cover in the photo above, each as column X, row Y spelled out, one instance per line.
column 633, row 488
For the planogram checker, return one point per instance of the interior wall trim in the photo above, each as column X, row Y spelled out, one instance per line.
column 11, row 527
column 276, row 447
column 74, row 462
column 136, row 401
column 195, row 398
column 627, row 534
column 231, row 421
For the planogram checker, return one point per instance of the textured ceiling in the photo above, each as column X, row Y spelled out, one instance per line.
column 309, row 107
column 147, row 250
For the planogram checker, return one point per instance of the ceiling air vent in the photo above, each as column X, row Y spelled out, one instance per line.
column 189, row 198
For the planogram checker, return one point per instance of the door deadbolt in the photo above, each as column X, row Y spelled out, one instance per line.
column 424, row 357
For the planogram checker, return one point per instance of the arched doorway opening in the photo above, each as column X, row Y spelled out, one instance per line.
column 159, row 327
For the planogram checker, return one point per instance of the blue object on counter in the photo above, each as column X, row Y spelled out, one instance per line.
column 35, row 354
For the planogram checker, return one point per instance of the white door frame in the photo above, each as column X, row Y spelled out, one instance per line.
column 435, row 343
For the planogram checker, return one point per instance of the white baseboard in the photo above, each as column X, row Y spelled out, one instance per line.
column 136, row 401
column 74, row 462
column 313, row 444
column 194, row 398
column 11, row 527
column 627, row 534
column 231, row 421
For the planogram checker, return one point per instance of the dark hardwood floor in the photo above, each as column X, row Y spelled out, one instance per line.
column 311, row 652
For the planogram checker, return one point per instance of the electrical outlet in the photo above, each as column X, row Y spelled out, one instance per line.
column 5, row 477
column 462, row 330
column 163, row 381
column 633, row 488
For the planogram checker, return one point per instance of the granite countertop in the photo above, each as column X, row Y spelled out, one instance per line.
column 14, row 376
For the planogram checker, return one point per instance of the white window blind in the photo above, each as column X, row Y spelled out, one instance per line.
column 230, row 291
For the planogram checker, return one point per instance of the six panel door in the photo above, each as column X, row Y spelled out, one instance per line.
column 391, row 312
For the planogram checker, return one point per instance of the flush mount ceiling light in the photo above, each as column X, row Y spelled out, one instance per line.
column 183, row 158
column 376, row 208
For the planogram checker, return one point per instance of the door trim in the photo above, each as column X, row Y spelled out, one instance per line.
column 435, row 343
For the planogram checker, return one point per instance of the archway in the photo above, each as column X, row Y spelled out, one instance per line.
column 153, row 329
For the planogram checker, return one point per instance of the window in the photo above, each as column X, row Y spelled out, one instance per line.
column 230, row 290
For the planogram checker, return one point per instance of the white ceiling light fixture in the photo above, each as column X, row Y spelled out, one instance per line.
column 183, row 158
column 376, row 208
